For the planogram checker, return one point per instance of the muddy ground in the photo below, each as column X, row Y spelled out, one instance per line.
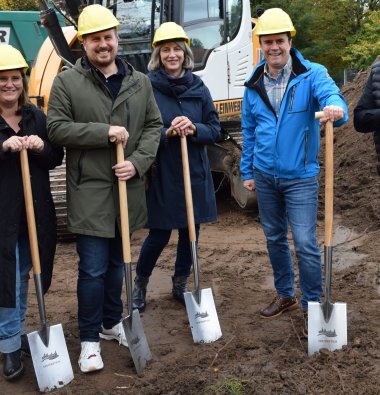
column 254, row 356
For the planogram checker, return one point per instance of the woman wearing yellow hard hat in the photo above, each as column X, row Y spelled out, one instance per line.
column 187, row 110
column 22, row 126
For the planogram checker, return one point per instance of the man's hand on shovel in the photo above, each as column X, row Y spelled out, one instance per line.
column 124, row 170
column 118, row 134
column 331, row 113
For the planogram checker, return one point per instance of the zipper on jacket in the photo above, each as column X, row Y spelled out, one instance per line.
column 305, row 147
column 128, row 117
column 80, row 162
column 292, row 97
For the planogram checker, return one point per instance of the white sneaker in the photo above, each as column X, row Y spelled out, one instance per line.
column 115, row 333
column 90, row 358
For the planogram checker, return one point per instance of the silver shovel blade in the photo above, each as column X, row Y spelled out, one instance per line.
column 51, row 363
column 203, row 318
column 331, row 334
column 137, row 343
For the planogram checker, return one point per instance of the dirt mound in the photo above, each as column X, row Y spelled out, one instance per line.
column 357, row 198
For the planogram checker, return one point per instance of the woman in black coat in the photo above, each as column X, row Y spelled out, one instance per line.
column 187, row 110
column 22, row 126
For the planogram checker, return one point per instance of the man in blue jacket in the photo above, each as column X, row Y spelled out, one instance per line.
column 280, row 155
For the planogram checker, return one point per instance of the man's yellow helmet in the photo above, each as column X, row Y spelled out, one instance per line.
column 95, row 18
column 273, row 21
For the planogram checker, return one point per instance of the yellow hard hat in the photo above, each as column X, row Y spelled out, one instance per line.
column 273, row 21
column 95, row 18
column 169, row 31
column 11, row 58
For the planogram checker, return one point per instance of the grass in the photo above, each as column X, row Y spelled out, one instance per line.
column 231, row 386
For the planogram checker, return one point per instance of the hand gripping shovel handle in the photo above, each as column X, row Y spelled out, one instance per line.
column 329, row 204
column 190, row 212
column 32, row 233
column 124, row 220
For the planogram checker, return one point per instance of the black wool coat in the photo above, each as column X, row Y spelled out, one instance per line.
column 12, row 206
column 166, row 192
column 367, row 111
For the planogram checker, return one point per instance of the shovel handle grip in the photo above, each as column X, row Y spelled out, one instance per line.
column 28, row 197
column 187, row 184
column 123, row 201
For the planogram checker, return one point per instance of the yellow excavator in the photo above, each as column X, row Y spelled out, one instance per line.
column 225, row 51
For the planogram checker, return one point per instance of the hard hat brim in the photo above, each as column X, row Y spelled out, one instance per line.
column 90, row 31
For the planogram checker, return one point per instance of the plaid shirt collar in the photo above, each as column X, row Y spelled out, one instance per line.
column 275, row 88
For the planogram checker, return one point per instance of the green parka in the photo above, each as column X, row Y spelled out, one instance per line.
column 80, row 112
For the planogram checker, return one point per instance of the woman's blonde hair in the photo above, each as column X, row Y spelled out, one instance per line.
column 24, row 97
column 155, row 59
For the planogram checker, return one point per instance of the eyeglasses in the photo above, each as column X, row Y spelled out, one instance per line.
column 14, row 80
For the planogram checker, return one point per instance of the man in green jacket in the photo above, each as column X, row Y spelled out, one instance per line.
column 100, row 99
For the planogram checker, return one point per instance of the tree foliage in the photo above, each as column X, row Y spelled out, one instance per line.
column 335, row 33
column 364, row 46
column 19, row 5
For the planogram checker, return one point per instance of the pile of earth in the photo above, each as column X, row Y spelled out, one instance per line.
column 356, row 182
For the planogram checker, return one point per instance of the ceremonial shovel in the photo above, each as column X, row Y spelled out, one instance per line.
column 47, row 346
column 327, row 322
column 134, row 331
column 200, row 304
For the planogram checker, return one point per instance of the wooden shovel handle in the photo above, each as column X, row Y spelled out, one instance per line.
column 188, row 194
column 28, row 197
column 329, row 179
column 123, row 201
column 329, row 183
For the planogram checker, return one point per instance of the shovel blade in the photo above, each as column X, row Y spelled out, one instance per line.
column 137, row 343
column 52, row 362
column 331, row 334
column 203, row 318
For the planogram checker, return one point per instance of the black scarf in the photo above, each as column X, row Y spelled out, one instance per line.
column 179, row 84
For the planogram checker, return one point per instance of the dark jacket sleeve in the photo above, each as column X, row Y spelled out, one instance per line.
column 208, row 131
column 51, row 156
column 367, row 111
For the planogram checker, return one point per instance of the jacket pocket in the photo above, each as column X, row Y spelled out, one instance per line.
column 80, row 168
column 299, row 97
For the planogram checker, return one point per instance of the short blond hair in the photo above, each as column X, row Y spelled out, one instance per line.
column 155, row 59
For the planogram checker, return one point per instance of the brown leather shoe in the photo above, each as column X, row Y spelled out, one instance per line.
column 278, row 306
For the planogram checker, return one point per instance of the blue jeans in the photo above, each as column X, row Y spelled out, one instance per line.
column 153, row 245
column 295, row 201
column 100, row 283
column 12, row 320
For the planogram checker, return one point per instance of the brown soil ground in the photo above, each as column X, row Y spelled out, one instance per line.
column 254, row 356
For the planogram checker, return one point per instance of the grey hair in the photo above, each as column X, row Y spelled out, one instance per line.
column 155, row 59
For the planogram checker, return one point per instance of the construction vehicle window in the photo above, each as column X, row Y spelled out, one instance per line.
column 203, row 38
column 134, row 17
column 234, row 17
column 201, row 9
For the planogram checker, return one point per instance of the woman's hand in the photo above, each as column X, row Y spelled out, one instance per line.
column 35, row 143
column 181, row 126
column 15, row 144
